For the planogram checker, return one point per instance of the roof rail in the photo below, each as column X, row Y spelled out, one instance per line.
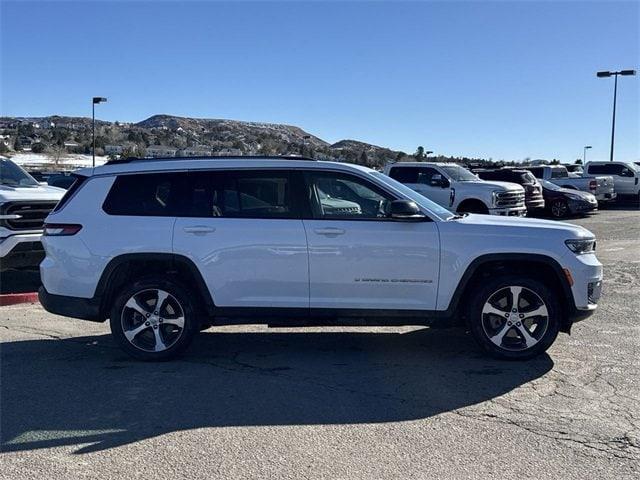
column 208, row 157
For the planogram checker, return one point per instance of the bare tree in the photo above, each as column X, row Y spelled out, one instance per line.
column 57, row 153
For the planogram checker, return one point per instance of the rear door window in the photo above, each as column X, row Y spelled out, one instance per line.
column 243, row 194
column 405, row 174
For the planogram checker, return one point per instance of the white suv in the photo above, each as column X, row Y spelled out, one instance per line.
column 459, row 190
column 166, row 248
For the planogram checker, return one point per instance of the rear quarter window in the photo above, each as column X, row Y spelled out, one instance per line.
column 147, row 195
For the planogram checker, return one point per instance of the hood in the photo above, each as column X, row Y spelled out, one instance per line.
column 526, row 226
column 35, row 193
column 570, row 191
column 496, row 185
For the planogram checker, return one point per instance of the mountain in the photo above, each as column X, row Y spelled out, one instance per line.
column 173, row 135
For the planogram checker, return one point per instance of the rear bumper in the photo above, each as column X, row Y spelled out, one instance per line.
column 74, row 307
column 606, row 197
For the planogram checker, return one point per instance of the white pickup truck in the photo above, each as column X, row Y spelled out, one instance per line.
column 459, row 190
column 626, row 176
column 24, row 204
column 602, row 187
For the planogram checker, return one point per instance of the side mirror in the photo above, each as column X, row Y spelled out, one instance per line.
column 406, row 210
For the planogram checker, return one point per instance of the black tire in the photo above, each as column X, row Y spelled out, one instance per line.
column 559, row 209
column 512, row 341
column 177, row 339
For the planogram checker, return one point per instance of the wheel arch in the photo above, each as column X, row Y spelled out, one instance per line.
column 471, row 201
column 543, row 266
column 128, row 265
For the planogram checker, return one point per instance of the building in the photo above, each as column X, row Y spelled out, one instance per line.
column 199, row 151
column 113, row 149
column 160, row 151
column 229, row 152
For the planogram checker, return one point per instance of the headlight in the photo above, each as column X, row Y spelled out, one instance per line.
column 581, row 246
column 495, row 195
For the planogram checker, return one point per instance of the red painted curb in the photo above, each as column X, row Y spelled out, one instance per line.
column 15, row 298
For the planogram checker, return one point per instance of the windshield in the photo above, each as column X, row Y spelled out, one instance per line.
column 14, row 176
column 550, row 186
column 559, row 173
column 424, row 202
column 459, row 174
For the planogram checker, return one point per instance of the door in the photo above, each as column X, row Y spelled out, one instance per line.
column 245, row 234
column 358, row 257
column 427, row 181
column 623, row 178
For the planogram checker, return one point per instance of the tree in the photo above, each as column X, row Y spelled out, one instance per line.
column 3, row 147
column 16, row 145
column 400, row 156
column 38, row 147
column 364, row 160
column 419, row 154
column 57, row 153
column 578, row 161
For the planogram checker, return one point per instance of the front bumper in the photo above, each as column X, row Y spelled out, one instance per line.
column 22, row 250
column 581, row 206
column 509, row 211
column 586, row 272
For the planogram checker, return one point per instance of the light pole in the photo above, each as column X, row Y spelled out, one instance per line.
column 606, row 74
column 93, row 124
column 584, row 154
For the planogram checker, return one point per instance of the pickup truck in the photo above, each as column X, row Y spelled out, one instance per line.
column 459, row 190
column 601, row 187
column 626, row 176
column 24, row 204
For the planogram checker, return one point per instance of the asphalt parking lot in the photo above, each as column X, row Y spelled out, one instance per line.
column 252, row 402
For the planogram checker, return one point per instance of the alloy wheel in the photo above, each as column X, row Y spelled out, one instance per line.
column 515, row 318
column 152, row 320
column 559, row 209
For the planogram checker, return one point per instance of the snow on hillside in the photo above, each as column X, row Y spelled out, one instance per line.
column 71, row 160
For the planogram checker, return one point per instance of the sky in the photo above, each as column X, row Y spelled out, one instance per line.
column 501, row 80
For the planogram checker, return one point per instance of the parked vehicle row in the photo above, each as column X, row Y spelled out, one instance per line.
column 459, row 190
column 297, row 242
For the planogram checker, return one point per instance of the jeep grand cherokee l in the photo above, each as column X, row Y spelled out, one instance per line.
column 165, row 248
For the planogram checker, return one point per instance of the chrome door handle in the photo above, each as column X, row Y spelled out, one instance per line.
column 329, row 231
column 199, row 229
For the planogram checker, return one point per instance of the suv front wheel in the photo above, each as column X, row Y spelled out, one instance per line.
column 514, row 317
column 154, row 319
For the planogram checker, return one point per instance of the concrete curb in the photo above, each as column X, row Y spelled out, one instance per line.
column 16, row 298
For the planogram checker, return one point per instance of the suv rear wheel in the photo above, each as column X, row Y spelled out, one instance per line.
column 154, row 319
column 514, row 318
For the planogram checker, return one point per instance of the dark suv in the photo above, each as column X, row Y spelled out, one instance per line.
column 532, row 189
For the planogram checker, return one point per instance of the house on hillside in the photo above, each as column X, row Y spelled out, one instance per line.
column 113, row 149
column 233, row 152
column 199, row 151
column 160, row 151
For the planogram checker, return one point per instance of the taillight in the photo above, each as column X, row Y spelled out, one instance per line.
column 61, row 229
column 593, row 185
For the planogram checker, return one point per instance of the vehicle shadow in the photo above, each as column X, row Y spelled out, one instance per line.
column 85, row 392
